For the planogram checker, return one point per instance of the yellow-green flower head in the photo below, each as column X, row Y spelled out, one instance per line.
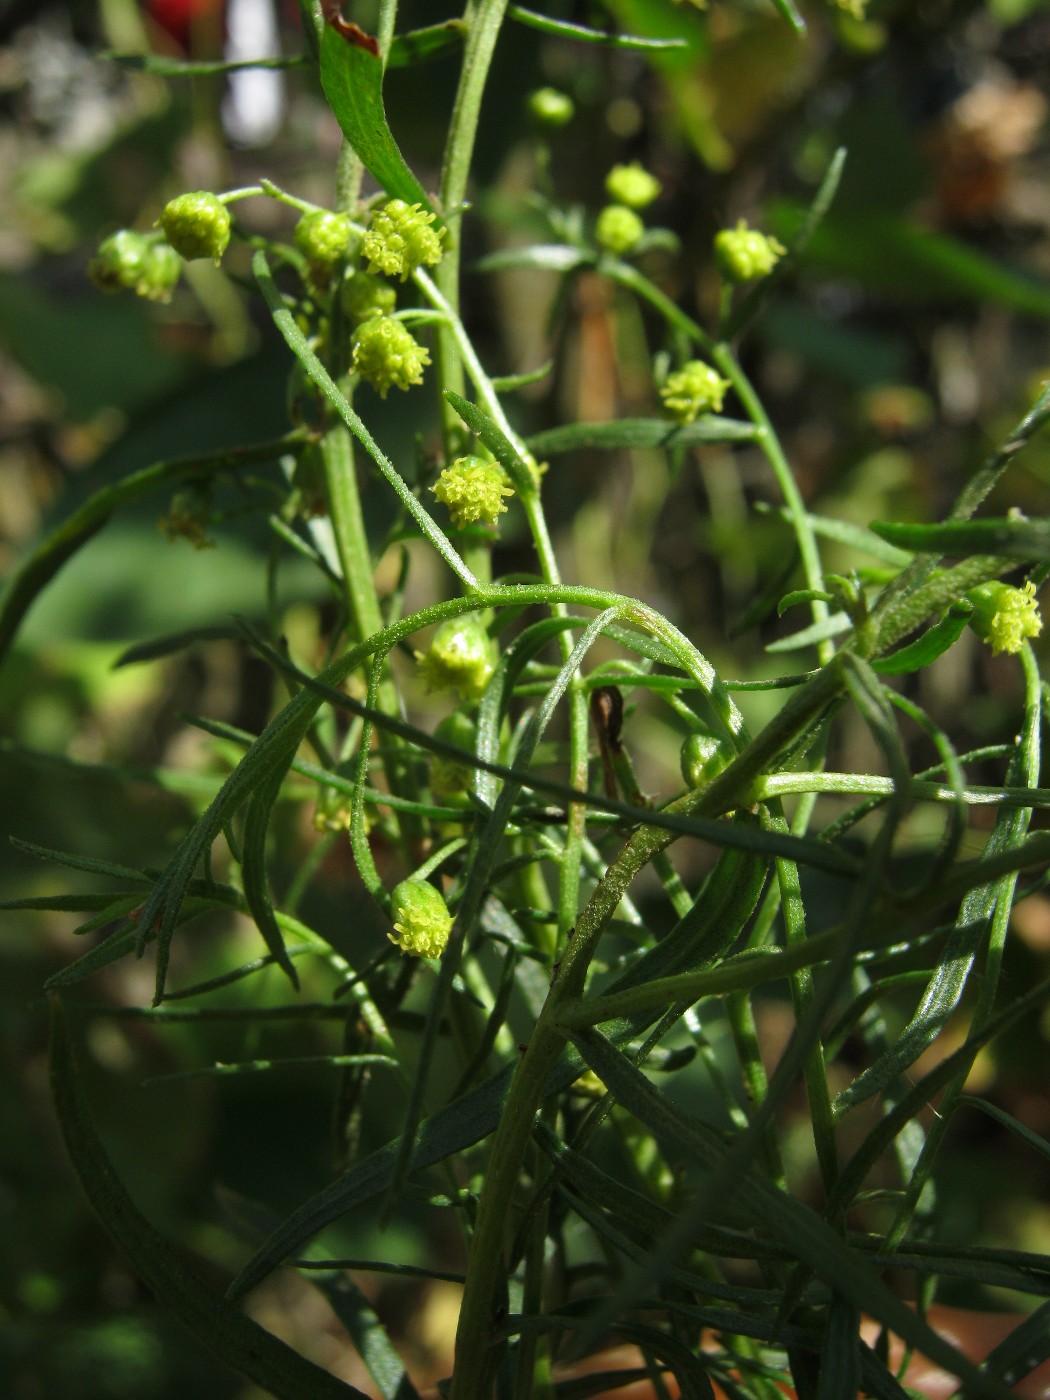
column 364, row 296
column 387, row 354
column 702, row 758
column 550, row 108
column 421, row 919
column 743, row 254
column 400, row 239
column 473, row 489
column 323, row 237
column 197, row 225
column 459, row 658
column 618, row 228
column 632, row 185
column 693, row 390
column 1003, row 616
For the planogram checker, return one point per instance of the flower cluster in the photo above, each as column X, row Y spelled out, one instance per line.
column 473, row 489
column 387, row 354
column 743, row 254
column 550, row 108
column 452, row 782
column 459, row 658
column 197, row 225
column 421, row 919
column 1003, row 616
column 693, row 390
column 400, row 239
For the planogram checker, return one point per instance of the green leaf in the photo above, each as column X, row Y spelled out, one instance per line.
column 840, row 1354
column 253, row 869
column 233, row 1337
column 78, row 862
column 423, row 45
column 497, row 442
column 562, row 29
column 640, row 432
column 352, row 78
column 933, row 643
column 1012, row 537
column 541, row 257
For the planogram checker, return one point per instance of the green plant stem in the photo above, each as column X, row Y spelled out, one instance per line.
column 482, row 19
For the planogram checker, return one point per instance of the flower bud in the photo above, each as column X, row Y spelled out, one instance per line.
column 693, row 390
column 743, row 254
column 323, row 237
column 120, row 260
column 473, row 489
column 197, row 225
column 450, row 782
column 364, row 296
column 550, row 108
column 160, row 272
column 459, row 658
column 400, row 239
column 632, row 185
column 618, row 228
column 421, row 919
column 387, row 354
column 1004, row 616
column 702, row 758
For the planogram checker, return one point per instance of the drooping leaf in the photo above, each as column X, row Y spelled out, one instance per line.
column 352, row 78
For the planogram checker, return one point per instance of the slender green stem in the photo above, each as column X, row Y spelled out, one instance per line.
column 483, row 19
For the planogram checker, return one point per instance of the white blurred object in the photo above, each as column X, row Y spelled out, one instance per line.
column 253, row 107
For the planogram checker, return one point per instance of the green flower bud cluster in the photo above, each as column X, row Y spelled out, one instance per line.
column 400, row 239
column 473, row 489
column 421, row 919
column 632, row 185
column 550, row 108
column 136, row 261
column 618, row 228
column 387, row 354
column 363, row 296
column 693, row 390
column 1003, row 616
column 743, row 254
column 323, row 238
column 459, row 658
column 197, row 225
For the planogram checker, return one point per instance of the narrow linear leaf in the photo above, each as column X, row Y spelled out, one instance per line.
column 78, row 862
column 423, row 45
column 253, row 867
column 541, row 257
column 933, row 643
column 1011, row 537
column 562, row 29
column 641, row 432
column 233, row 1337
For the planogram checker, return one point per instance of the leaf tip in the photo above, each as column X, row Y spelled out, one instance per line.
column 346, row 29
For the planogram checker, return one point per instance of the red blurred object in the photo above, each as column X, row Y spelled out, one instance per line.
column 187, row 20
